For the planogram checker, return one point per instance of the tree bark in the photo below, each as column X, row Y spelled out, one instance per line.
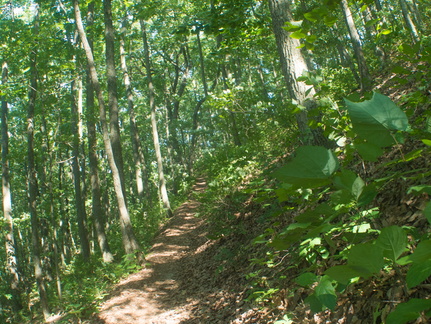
column 201, row 63
column 366, row 83
column 129, row 240
column 111, row 76
column 11, row 257
column 32, row 179
column 372, row 33
column 79, row 202
column 50, row 209
column 162, row 181
column 293, row 65
column 98, row 213
column 409, row 22
column 141, row 173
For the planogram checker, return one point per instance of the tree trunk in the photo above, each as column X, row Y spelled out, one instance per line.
column 409, row 22
column 201, row 63
column 112, row 90
column 97, row 212
column 141, row 174
column 11, row 258
column 366, row 83
column 162, row 181
column 129, row 240
column 32, row 180
column 372, row 33
column 232, row 127
column 79, row 202
column 417, row 15
column 293, row 65
column 346, row 59
column 50, row 209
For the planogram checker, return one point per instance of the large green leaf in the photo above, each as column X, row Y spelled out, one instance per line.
column 342, row 273
column 368, row 151
column 315, row 304
column 366, row 259
column 393, row 241
column 311, row 167
column 408, row 311
column 374, row 119
column 349, row 182
column 325, row 292
column 422, row 252
column 427, row 212
column 418, row 272
column 306, row 279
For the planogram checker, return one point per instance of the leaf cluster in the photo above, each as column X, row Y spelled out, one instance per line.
column 347, row 214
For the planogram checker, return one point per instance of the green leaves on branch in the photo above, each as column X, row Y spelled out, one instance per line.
column 376, row 122
column 409, row 311
column 374, row 119
column 420, row 268
column 311, row 167
column 393, row 241
column 367, row 259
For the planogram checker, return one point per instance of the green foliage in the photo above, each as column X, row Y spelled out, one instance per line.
column 338, row 223
column 345, row 215
column 85, row 284
column 409, row 311
column 311, row 167
column 374, row 119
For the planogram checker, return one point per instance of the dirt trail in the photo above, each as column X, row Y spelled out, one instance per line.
column 153, row 295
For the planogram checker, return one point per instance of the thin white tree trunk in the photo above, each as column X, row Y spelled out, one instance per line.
column 162, row 181
column 129, row 241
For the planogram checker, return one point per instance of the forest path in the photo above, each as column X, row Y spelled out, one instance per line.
column 153, row 295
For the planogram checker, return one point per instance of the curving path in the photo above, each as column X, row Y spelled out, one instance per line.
column 153, row 295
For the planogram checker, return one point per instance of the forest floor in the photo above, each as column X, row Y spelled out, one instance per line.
column 192, row 279
column 178, row 284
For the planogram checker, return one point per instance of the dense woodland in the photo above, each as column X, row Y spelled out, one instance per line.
column 309, row 117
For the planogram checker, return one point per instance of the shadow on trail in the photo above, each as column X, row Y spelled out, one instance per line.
column 180, row 285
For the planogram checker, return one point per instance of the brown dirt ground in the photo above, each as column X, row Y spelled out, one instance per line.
column 153, row 295
column 180, row 283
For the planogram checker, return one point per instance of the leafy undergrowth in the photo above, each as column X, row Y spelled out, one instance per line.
column 333, row 235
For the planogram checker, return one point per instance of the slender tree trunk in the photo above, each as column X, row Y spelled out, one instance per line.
column 345, row 58
column 11, row 256
column 112, row 90
column 174, row 114
column 50, row 208
column 417, row 15
column 409, row 22
column 366, row 83
column 372, row 33
column 129, row 240
column 162, row 181
column 293, row 65
column 265, row 94
column 79, row 202
column 141, row 174
column 201, row 63
column 174, row 94
column 232, row 127
column 32, row 180
column 98, row 213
